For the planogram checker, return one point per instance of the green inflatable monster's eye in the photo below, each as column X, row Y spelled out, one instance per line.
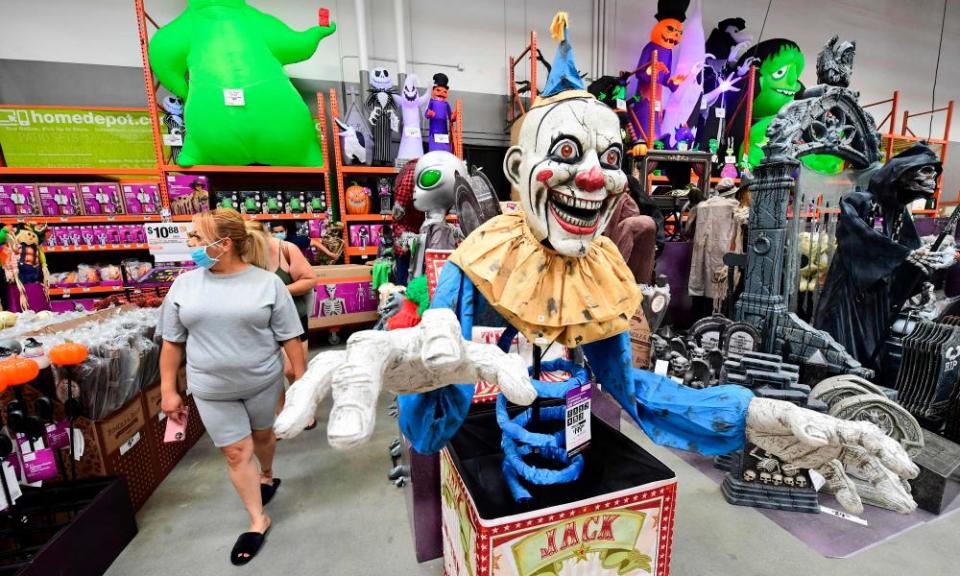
column 429, row 178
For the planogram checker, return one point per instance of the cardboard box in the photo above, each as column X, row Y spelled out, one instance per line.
column 18, row 200
column 170, row 453
column 626, row 530
column 347, row 287
column 120, row 445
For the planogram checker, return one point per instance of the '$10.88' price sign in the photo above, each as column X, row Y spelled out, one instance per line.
column 168, row 241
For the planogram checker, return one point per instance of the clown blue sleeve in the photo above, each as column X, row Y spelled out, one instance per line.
column 429, row 420
column 710, row 421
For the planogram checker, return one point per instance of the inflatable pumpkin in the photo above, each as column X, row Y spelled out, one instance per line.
column 358, row 199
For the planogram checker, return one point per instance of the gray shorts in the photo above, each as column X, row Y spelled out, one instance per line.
column 230, row 421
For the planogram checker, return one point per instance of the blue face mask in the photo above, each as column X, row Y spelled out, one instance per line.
column 201, row 258
column 280, row 236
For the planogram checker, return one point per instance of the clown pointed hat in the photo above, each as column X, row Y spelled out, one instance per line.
column 564, row 80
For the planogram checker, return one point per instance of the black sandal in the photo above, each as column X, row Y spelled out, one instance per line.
column 247, row 546
column 267, row 491
column 311, row 426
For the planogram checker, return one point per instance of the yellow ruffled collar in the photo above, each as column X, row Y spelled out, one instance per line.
column 570, row 300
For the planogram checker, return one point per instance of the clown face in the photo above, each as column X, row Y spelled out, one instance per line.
column 434, row 181
column 667, row 33
column 566, row 167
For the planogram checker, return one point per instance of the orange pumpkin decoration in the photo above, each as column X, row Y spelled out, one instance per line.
column 358, row 199
column 17, row 371
column 68, row 354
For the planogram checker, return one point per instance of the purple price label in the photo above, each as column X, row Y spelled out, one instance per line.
column 58, row 435
column 39, row 465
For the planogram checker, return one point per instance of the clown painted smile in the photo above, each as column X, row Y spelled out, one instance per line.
column 575, row 215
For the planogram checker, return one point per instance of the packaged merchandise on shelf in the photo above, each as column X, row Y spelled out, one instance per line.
column 272, row 202
column 18, row 200
column 365, row 235
column 316, row 201
column 59, row 199
column 251, row 202
column 162, row 275
column 136, row 270
column 188, row 194
column 92, row 235
column 227, row 199
column 101, row 198
column 141, row 197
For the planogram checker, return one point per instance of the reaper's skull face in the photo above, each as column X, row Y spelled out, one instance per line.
column 380, row 79
column 434, row 181
column 916, row 183
column 566, row 167
column 410, row 88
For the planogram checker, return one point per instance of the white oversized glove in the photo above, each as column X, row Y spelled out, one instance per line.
column 806, row 439
column 406, row 361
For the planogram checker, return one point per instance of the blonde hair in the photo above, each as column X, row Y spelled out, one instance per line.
column 249, row 239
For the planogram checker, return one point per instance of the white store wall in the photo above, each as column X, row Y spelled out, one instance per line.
column 897, row 40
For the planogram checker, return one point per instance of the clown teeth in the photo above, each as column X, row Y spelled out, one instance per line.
column 574, row 202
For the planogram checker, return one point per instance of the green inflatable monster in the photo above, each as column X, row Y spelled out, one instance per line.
column 777, row 84
column 240, row 107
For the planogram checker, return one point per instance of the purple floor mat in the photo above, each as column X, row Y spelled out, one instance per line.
column 831, row 536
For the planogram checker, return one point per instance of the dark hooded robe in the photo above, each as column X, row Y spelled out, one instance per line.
column 869, row 274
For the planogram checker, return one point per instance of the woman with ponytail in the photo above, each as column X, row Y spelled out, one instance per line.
column 289, row 264
column 230, row 318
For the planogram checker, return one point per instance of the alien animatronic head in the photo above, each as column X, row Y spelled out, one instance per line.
column 566, row 168
column 380, row 79
column 434, row 181
column 410, row 92
column 669, row 28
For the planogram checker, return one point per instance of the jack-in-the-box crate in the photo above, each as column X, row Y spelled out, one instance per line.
column 616, row 519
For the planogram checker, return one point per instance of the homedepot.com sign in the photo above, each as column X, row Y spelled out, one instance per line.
column 33, row 116
column 76, row 137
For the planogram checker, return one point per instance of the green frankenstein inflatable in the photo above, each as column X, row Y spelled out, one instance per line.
column 778, row 84
column 240, row 107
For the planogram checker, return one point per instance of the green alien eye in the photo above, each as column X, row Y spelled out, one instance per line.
column 429, row 178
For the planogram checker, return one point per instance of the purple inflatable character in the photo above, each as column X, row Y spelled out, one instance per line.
column 440, row 115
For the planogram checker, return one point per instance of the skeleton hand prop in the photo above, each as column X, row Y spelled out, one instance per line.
column 807, row 439
column 929, row 261
column 426, row 357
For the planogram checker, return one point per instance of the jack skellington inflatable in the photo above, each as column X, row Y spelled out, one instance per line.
column 550, row 274
column 383, row 111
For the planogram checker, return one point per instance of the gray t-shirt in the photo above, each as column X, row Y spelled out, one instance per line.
column 233, row 325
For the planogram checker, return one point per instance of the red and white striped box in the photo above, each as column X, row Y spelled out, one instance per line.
column 629, row 531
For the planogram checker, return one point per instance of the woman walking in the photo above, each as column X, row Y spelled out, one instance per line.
column 230, row 317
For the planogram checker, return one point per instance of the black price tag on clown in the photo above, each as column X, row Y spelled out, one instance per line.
column 577, row 419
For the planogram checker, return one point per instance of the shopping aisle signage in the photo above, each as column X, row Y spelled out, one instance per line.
column 76, row 137
column 168, row 241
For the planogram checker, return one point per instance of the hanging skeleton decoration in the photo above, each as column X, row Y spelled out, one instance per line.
column 383, row 117
column 332, row 305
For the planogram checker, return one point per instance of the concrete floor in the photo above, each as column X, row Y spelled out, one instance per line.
column 336, row 514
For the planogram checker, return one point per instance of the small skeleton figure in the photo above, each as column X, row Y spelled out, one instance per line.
column 332, row 305
column 385, row 191
column 102, row 238
column 103, row 200
column 87, row 237
column 750, row 475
